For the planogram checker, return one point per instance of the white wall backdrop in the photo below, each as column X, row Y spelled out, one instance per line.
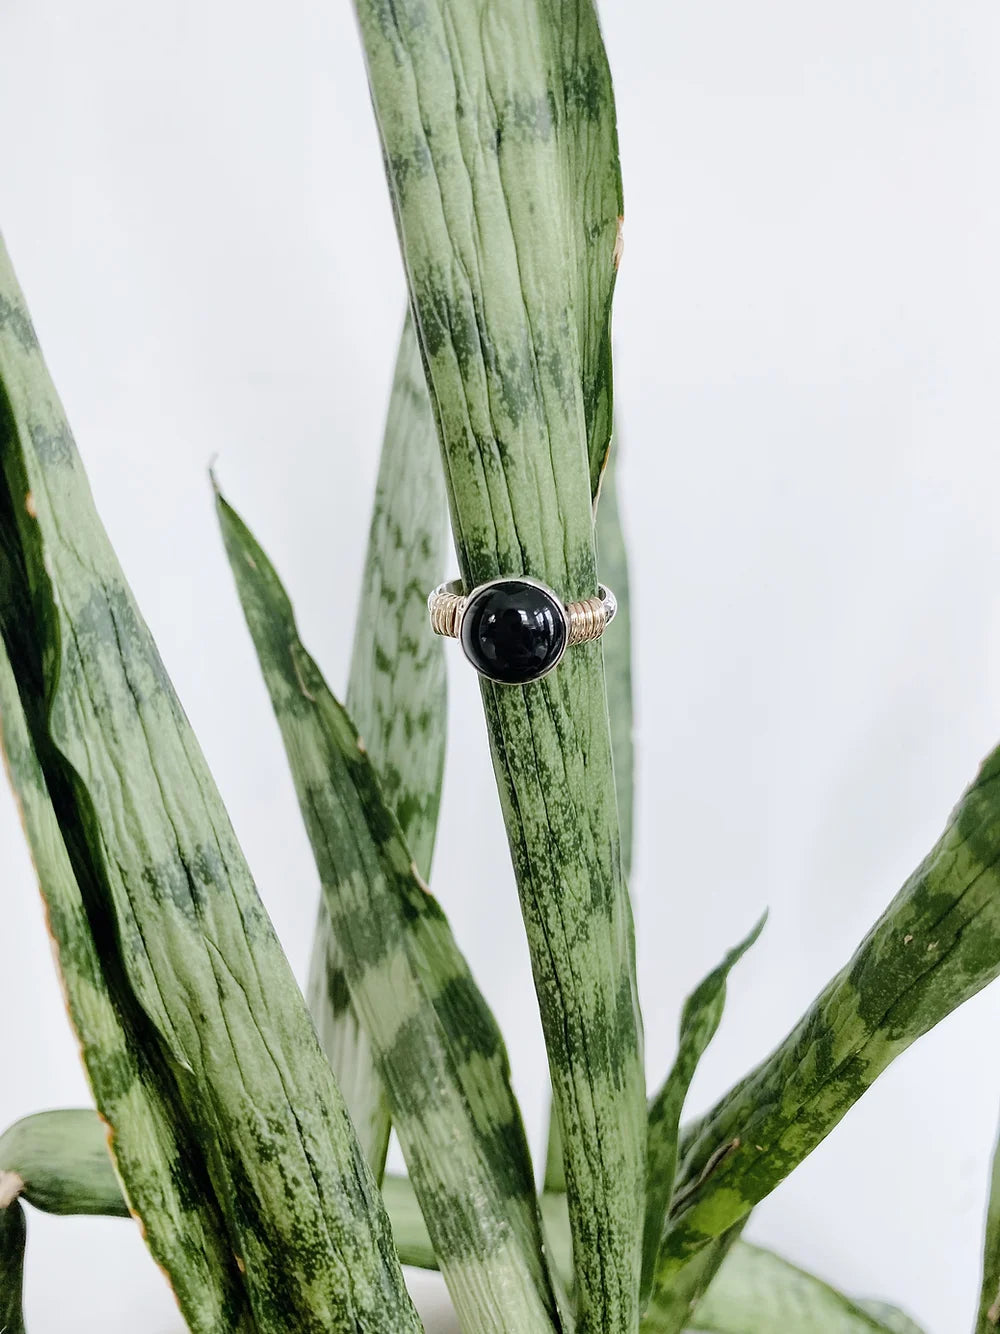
column 808, row 331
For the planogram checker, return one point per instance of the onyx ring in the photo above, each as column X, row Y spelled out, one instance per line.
column 516, row 630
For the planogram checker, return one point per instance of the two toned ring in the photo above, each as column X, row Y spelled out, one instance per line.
column 516, row 630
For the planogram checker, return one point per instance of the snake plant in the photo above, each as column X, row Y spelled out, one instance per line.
column 243, row 1124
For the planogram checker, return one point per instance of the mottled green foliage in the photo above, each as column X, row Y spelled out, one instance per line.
column 396, row 696
column 612, row 564
column 617, row 644
column 671, row 1306
column 757, row 1292
column 154, row 1144
column 63, row 1160
column 700, row 1019
column 438, row 1049
column 409, row 1231
column 936, row 945
column 12, row 1239
column 187, row 955
column 988, row 1315
column 497, row 125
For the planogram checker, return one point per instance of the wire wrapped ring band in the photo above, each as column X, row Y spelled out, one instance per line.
column 516, row 630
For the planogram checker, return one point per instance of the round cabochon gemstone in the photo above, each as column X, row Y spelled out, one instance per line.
column 513, row 631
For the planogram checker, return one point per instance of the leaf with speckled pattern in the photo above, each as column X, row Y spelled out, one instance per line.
column 700, row 1019
column 988, row 1314
column 749, row 1290
column 612, row 557
column 168, row 895
column 671, row 1305
column 439, row 1051
column 63, row 1162
column 12, row 1238
column 757, row 1292
column 617, row 644
column 156, row 1151
column 937, row 944
column 498, row 133
column 396, row 696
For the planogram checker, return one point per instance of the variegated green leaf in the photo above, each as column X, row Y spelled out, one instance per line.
column 409, row 1231
column 937, row 944
column 672, row 1305
column 63, row 1163
column 617, row 641
column 154, row 1144
column 757, row 1292
column 497, row 128
column 612, row 563
column 439, row 1051
column 988, row 1315
column 700, row 1019
column 397, row 697
column 584, row 124
column 218, row 1015
column 12, row 1239
column 890, row 1318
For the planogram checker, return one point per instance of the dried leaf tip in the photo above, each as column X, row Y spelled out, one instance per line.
column 11, row 1186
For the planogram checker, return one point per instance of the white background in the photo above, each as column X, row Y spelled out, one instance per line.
column 807, row 329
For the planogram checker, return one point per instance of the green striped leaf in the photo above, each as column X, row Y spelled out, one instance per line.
column 612, row 554
column 156, row 1151
column 62, row 1161
column 174, row 911
column 409, row 1231
column 749, row 1290
column 700, row 1020
column 12, row 1239
column 757, row 1292
column 617, row 643
column 937, row 944
column 439, row 1052
column 585, row 127
column 671, row 1307
column 988, row 1315
column 498, row 133
column 397, row 697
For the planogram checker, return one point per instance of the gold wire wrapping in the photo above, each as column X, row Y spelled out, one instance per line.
column 586, row 620
column 445, row 609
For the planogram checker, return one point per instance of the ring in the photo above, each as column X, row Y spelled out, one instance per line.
column 514, row 631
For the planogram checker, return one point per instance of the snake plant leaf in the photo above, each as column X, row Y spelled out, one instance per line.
column 173, row 906
column 483, row 118
column 617, row 641
column 612, row 554
column 585, row 125
column 988, row 1316
column 63, row 1163
column 670, row 1309
column 700, row 1020
column 757, row 1292
column 13, row 1235
column 409, row 1231
column 156, row 1152
column 440, row 1054
column 889, row 1317
column 937, row 944
column 396, row 696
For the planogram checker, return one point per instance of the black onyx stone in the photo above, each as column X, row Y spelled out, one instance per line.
column 513, row 631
